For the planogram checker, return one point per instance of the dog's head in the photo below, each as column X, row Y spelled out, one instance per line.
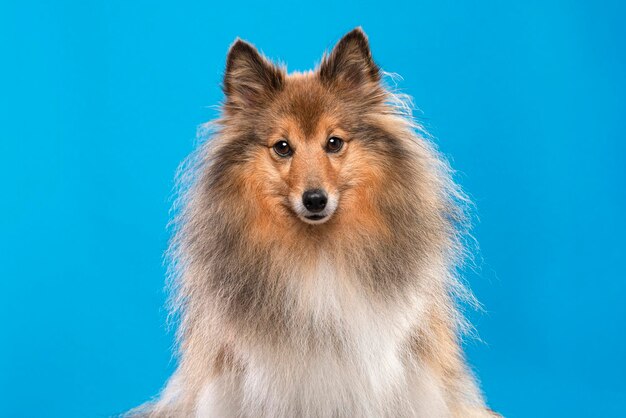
column 316, row 147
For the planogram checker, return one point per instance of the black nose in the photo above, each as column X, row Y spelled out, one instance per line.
column 314, row 200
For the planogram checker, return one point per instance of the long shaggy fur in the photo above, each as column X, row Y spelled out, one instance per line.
column 356, row 317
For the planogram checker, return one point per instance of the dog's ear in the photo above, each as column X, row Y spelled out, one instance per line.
column 350, row 62
column 250, row 79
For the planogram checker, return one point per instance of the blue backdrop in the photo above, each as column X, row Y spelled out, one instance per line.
column 99, row 102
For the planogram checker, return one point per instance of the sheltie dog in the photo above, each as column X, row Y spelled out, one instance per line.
column 315, row 255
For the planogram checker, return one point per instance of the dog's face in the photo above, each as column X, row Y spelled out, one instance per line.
column 308, row 163
column 305, row 144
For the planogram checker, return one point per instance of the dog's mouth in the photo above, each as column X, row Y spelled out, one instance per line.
column 315, row 217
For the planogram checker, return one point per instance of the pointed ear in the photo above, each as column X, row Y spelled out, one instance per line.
column 250, row 79
column 350, row 61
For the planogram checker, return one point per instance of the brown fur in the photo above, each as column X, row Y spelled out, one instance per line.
column 245, row 267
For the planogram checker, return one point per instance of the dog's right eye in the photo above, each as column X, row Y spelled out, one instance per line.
column 282, row 148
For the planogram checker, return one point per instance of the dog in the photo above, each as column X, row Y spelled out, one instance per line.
column 315, row 258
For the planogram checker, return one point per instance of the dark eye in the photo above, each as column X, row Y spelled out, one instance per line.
column 282, row 148
column 334, row 144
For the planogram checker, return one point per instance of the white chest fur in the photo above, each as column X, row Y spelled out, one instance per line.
column 367, row 376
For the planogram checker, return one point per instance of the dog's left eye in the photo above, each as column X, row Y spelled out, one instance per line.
column 334, row 144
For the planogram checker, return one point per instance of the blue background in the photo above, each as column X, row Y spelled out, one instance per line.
column 99, row 102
